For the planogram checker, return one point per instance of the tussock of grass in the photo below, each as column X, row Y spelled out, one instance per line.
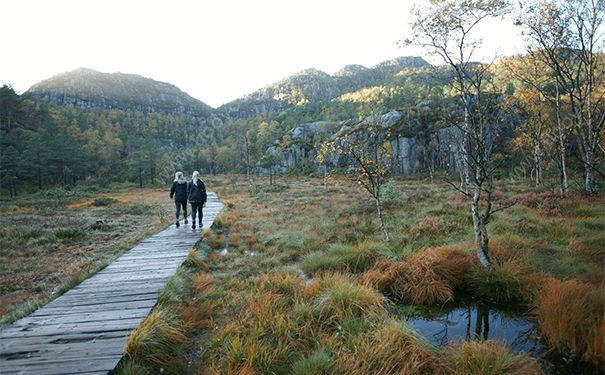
column 287, row 284
column 571, row 317
column 320, row 362
column 501, row 285
column 216, row 241
column 103, row 201
column 344, row 298
column 430, row 276
column 487, row 358
column 391, row 349
column 344, row 257
column 156, row 339
column 318, row 262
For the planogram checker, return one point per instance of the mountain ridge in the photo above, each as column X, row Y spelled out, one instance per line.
column 88, row 88
column 311, row 84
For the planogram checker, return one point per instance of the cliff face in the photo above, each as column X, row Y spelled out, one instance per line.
column 410, row 154
column 86, row 88
column 313, row 85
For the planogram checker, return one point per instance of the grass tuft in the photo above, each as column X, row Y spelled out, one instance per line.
column 487, row 358
column 428, row 277
column 501, row 285
column 571, row 317
column 320, row 362
column 344, row 298
column 391, row 349
column 156, row 340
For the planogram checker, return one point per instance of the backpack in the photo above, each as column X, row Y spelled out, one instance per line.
column 197, row 192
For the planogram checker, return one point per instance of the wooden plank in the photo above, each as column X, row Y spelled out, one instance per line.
column 85, row 330
column 124, row 305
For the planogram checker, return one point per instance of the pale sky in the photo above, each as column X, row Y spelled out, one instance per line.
column 216, row 51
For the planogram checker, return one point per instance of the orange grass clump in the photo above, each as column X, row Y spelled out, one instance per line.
column 427, row 277
column 155, row 338
column 201, row 282
column 571, row 316
column 196, row 315
column 391, row 349
column 488, row 357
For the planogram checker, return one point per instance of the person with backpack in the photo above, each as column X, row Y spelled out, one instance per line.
column 196, row 191
column 179, row 192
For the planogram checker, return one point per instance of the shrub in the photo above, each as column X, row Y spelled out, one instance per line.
column 487, row 357
column 391, row 193
column 570, row 315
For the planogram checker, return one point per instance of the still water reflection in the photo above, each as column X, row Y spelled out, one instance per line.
column 510, row 328
column 478, row 322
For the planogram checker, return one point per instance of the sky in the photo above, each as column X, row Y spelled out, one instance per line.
column 216, row 51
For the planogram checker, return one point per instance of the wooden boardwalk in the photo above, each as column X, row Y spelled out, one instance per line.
column 84, row 331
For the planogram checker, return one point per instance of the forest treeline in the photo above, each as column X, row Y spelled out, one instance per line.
column 550, row 102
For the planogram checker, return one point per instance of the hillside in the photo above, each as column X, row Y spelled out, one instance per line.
column 87, row 88
column 312, row 85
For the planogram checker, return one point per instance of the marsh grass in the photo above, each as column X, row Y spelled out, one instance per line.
column 258, row 316
column 490, row 358
column 570, row 315
column 344, row 257
column 50, row 241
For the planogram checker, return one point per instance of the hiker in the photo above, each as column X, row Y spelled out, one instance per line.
column 179, row 192
column 196, row 192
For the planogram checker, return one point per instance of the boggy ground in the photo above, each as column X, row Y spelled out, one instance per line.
column 50, row 241
column 295, row 279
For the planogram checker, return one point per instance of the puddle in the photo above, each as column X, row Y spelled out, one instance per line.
column 483, row 322
column 478, row 322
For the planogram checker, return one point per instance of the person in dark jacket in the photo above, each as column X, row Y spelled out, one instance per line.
column 179, row 192
column 196, row 192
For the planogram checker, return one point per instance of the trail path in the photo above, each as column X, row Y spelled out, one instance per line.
column 84, row 331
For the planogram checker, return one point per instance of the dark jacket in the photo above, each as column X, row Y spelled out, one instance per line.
column 179, row 191
column 196, row 192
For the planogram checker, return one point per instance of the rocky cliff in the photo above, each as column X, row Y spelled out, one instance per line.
column 410, row 154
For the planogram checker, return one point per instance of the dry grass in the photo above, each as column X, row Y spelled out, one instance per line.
column 344, row 298
column 391, row 349
column 489, row 358
column 48, row 244
column 154, row 340
column 269, row 320
column 427, row 277
column 571, row 317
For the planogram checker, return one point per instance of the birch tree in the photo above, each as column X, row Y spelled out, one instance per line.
column 368, row 156
column 448, row 29
column 567, row 35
